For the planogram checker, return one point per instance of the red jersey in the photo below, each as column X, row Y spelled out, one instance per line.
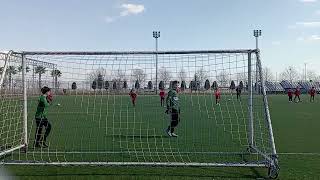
column 217, row 94
column 133, row 95
column 312, row 92
column 297, row 92
column 290, row 93
column 162, row 94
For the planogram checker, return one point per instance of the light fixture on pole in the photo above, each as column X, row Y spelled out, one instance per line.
column 156, row 35
column 257, row 34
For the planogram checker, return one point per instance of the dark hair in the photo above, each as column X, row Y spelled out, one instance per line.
column 45, row 89
column 175, row 82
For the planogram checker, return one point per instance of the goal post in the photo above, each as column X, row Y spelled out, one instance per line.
column 11, row 126
column 94, row 122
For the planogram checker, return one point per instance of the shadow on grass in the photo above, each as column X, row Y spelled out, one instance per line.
column 135, row 172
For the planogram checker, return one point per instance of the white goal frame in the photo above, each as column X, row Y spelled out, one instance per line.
column 271, row 160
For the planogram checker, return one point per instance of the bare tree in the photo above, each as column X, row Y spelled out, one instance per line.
column 96, row 73
column 223, row 78
column 267, row 74
column 312, row 75
column 290, row 74
column 119, row 78
column 182, row 75
column 202, row 75
column 139, row 75
column 165, row 76
column 242, row 77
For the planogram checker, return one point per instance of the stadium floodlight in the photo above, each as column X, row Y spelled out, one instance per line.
column 156, row 35
column 257, row 34
column 97, row 125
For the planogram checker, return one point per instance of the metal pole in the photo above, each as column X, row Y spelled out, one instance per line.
column 305, row 71
column 156, row 65
column 25, row 104
column 250, row 97
column 267, row 112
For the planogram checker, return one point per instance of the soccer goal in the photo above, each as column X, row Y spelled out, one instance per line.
column 93, row 121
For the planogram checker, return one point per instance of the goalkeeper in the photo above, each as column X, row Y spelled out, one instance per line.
column 173, row 108
column 45, row 100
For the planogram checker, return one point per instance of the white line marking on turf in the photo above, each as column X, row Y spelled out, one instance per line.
column 300, row 153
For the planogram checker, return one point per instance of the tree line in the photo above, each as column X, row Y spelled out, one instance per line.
column 12, row 71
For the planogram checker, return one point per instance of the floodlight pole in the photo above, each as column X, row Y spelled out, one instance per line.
column 257, row 34
column 305, row 72
column 156, row 35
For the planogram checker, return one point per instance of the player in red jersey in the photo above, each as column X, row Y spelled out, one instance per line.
column 162, row 96
column 133, row 96
column 290, row 94
column 297, row 93
column 312, row 92
column 218, row 96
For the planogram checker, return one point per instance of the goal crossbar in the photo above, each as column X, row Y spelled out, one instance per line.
column 134, row 52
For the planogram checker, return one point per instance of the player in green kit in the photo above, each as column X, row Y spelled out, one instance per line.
column 44, row 102
column 173, row 108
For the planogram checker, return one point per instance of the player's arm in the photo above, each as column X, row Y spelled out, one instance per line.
column 45, row 101
column 48, row 101
column 168, row 102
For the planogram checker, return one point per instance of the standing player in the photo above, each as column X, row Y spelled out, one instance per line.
column 218, row 96
column 312, row 93
column 238, row 90
column 133, row 96
column 162, row 95
column 44, row 102
column 173, row 108
column 297, row 93
column 290, row 95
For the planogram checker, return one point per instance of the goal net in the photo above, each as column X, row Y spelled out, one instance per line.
column 93, row 120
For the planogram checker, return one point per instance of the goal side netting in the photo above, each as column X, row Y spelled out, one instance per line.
column 93, row 120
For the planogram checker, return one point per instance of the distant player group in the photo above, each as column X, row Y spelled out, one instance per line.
column 173, row 104
column 297, row 92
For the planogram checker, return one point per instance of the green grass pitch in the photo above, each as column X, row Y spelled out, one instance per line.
column 111, row 124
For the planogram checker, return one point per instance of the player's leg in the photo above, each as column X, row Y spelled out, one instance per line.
column 133, row 101
column 174, row 122
column 47, row 126
column 38, row 132
column 299, row 98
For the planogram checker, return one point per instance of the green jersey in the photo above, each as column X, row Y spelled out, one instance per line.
column 173, row 100
column 42, row 107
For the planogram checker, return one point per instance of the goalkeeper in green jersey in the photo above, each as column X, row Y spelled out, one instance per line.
column 45, row 100
column 173, row 109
